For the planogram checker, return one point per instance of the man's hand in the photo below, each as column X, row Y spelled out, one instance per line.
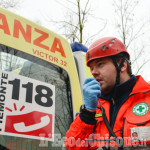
column 91, row 92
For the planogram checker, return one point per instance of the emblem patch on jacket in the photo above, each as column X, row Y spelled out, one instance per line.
column 140, row 109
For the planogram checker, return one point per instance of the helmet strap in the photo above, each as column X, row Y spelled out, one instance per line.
column 118, row 68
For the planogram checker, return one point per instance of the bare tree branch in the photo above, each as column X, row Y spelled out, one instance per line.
column 9, row 3
column 62, row 4
column 141, row 66
column 73, row 25
column 130, row 30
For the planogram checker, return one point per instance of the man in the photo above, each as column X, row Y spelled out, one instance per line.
column 116, row 103
column 135, row 136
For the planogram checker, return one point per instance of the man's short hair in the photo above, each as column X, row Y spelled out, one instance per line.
column 118, row 57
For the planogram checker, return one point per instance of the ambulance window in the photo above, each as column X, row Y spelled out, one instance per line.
column 20, row 63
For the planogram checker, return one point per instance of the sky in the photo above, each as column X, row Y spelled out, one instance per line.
column 42, row 11
column 55, row 9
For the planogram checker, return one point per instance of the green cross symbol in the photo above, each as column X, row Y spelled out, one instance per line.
column 140, row 109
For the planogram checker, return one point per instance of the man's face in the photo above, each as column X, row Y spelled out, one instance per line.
column 104, row 71
column 134, row 136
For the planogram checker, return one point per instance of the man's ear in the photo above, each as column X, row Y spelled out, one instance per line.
column 124, row 66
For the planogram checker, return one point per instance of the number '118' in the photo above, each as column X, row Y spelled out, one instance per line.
column 29, row 92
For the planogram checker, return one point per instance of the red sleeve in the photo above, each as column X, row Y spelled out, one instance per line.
column 76, row 135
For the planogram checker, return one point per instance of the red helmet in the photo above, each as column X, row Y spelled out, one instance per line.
column 104, row 47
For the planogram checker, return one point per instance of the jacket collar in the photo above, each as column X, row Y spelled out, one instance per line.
column 124, row 89
column 141, row 86
column 121, row 89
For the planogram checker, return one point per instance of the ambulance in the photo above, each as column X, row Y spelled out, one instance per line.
column 40, row 85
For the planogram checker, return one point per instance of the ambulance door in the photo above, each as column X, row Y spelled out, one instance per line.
column 35, row 102
column 39, row 85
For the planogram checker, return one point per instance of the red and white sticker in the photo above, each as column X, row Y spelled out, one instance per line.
column 27, row 107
